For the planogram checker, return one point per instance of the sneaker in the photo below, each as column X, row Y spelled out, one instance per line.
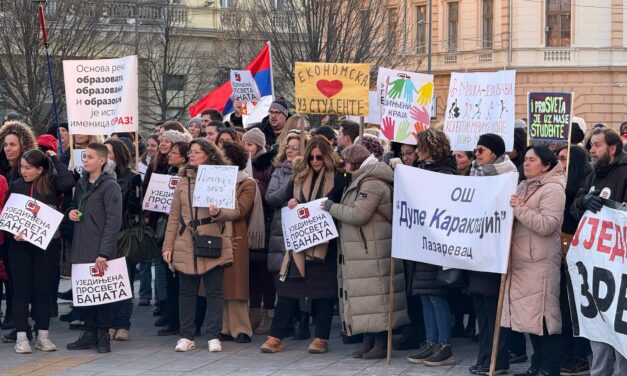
column 11, row 336
column 112, row 333
column 442, row 356
column 85, row 341
column 121, row 335
column 425, row 351
column 22, row 346
column 474, row 369
column 45, row 344
column 578, row 367
column 517, row 358
column 65, row 295
column 318, row 346
column 272, row 345
column 184, row 345
column 215, row 345
column 532, row 371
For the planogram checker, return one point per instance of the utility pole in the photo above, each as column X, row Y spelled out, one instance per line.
column 430, row 28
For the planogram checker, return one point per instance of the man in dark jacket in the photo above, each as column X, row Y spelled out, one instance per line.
column 608, row 180
column 97, row 213
column 273, row 124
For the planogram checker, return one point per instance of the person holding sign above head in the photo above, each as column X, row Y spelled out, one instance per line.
column 186, row 227
column 365, row 216
column 607, row 180
column 531, row 301
column 484, row 287
column 248, row 227
column 44, row 178
column 308, row 279
column 96, row 211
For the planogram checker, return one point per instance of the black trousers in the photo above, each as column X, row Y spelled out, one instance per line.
column 96, row 317
column 172, row 301
column 578, row 347
column 546, row 352
column 33, row 270
column 261, row 286
column 288, row 308
column 214, row 293
column 516, row 342
column 485, row 309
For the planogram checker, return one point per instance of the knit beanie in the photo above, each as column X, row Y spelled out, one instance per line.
column 520, row 123
column 576, row 134
column 255, row 136
column 520, row 140
column 176, row 136
column 355, row 154
column 373, row 145
column 325, row 131
column 48, row 142
column 194, row 120
column 280, row 105
column 494, row 142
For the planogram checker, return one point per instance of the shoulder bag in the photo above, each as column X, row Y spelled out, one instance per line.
column 204, row 245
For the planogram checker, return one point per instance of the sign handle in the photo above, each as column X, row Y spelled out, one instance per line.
column 137, row 151
column 72, row 153
column 361, row 129
column 391, row 304
column 497, row 325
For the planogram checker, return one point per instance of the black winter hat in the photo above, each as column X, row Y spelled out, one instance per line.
column 492, row 141
column 576, row 134
column 520, row 140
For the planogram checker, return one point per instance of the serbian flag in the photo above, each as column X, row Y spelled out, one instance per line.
column 220, row 98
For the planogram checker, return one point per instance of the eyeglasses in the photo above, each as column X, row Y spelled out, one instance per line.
column 275, row 113
column 316, row 157
column 479, row 150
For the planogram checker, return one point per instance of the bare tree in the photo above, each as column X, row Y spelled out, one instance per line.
column 347, row 31
column 174, row 70
column 77, row 29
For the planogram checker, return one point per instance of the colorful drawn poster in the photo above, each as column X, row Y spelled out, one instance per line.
column 331, row 88
column 405, row 99
column 480, row 103
column 549, row 116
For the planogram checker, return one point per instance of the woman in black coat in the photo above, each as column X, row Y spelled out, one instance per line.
column 33, row 269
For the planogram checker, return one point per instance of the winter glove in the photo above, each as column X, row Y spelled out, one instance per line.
column 592, row 201
column 326, row 206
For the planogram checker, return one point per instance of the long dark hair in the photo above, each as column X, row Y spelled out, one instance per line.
column 578, row 168
column 546, row 155
column 121, row 156
column 37, row 158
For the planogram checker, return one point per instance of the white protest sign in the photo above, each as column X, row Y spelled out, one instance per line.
column 142, row 169
column 480, row 103
column 36, row 221
column 79, row 155
column 598, row 278
column 374, row 110
column 159, row 193
column 405, row 99
column 215, row 185
column 307, row 225
column 91, row 286
column 244, row 86
column 258, row 111
column 102, row 95
column 462, row 222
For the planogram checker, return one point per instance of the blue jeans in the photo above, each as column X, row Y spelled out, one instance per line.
column 145, row 279
column 437, row 316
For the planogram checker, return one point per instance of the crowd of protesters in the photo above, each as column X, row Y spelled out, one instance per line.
column 254, row 287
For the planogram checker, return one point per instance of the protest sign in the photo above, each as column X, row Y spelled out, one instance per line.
column 215, row 185
column 462, row 222
column 36, row 221
column 597, row 288
column 159, row 193
column 244, row 86
column 79, row 155
column 549, row 116
column 374, row 110
column 307, row 225
column 480, row 103
column 91, row 286
column 405, row 99
column 102, row 95
column 330, row 88
column 142, row 169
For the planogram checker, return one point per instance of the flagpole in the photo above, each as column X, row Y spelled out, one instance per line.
column 271, row 68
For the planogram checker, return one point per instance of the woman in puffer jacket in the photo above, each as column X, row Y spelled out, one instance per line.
column 365, row 216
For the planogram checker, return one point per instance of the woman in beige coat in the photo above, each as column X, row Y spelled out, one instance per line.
column 178, row 250
column 531, row 302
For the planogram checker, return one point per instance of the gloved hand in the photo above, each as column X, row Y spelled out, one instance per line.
column 592, row 201
column 326, row 206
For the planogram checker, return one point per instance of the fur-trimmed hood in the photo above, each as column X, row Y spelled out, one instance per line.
column 23, row 133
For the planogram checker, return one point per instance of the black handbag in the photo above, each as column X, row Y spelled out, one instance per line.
column 137, row 242
column 204, row 245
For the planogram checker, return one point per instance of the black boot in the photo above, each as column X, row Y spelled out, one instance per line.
column 366, row 345
column 302, row 330
column 85, row 341
column 379, row 349
column 104, row 346
column 7, row 323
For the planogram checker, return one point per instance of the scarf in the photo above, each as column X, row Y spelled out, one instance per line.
column 502, row 165
column 256, row 223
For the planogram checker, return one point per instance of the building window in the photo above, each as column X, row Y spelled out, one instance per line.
column 488, row 25
column 279, row 4
column 421, row 29
column 174, row 82
column 453, row 23
column 558, row 23
column 392, row 22
column 224, row 4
